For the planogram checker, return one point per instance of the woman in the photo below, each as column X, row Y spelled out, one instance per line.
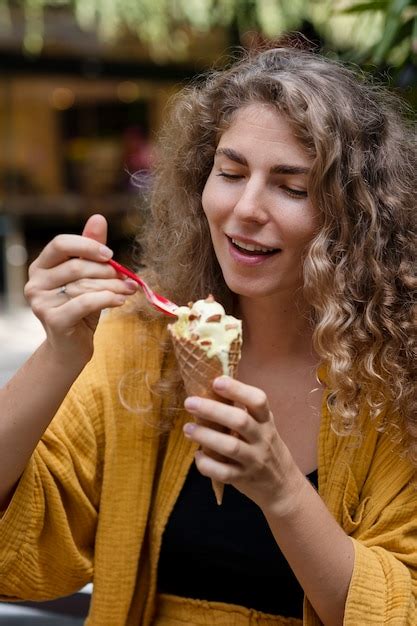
column 285, row 187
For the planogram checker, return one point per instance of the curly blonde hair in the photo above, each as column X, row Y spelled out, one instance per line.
column 358, row 270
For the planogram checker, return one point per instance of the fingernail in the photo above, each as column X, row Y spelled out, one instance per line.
column 105, row 252
column 131, row 284
column 220, row 382
column 191, row 404
column 188, row 428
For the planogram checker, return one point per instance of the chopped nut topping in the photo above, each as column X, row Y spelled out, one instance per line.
column 206, row 342
column 214, row 318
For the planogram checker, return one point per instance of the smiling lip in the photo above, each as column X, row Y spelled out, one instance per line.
column 251, row 258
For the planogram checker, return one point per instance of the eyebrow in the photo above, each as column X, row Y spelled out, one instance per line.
column 275, row 169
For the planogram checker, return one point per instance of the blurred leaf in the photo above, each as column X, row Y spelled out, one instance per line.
column 377, row 5
column 394, row 29
column 398, row 29
column 414, row 36
column 166, row 26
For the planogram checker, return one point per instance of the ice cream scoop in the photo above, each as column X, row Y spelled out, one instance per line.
column 206, row 324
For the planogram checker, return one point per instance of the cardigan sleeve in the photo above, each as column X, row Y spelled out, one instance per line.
column 370, row 487
column 379, row 512
column 50, row 530
column 383, row 587
column 384, row 582
column 47, row 532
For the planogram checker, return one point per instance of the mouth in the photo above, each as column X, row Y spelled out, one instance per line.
column 252, row 250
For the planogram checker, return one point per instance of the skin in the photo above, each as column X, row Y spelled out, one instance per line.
column 248, row 196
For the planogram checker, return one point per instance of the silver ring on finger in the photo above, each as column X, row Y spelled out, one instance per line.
column 63, row 291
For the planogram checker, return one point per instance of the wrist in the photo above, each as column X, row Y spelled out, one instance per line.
column 65, row 362
column 291, row 497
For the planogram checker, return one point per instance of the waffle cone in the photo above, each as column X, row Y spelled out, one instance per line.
column 198, row 372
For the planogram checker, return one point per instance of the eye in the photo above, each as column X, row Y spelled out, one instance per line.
column 229, row 176
column 295, row 193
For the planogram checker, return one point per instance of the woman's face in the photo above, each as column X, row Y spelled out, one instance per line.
column 256, row 203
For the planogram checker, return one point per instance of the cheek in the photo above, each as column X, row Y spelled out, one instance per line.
column 303, row 227
column 210, row 201
column 313, row 225
column 205, row 199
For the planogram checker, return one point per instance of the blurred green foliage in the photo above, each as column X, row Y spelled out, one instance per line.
column 398, row 41
column 382, row 33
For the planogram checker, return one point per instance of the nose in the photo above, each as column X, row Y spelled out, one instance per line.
column 252, row 204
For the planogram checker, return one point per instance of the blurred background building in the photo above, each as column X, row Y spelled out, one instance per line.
column 77, row 120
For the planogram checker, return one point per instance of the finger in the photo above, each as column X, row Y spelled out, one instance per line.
column 62, row 318
column 52, row 280
column 73, row 290
column 96, row 228
column 226, row 445
column 64, row 247
column 125, row 287
column 73, row 270
column 253, row 398
column 216, row 470
column 232, row 418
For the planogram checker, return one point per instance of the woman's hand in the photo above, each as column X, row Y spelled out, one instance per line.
column 259, row 464
column 69, row 285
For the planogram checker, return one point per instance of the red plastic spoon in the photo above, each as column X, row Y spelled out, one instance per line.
column 159, row 302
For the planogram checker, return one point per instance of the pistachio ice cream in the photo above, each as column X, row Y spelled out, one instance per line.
column 206, row 324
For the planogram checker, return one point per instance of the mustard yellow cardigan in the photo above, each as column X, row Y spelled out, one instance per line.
column 95, row 498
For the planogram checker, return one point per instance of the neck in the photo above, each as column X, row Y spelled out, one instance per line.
column 274, row 326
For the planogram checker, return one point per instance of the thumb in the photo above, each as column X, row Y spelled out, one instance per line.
column 96, row 228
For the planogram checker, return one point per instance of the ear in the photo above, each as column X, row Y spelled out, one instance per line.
column 96, row 228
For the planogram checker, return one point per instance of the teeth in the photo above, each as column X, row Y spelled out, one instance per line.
column 250, row 247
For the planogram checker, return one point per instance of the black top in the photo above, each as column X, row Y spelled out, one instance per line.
column 225, row 553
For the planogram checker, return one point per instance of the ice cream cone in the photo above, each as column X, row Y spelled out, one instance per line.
column 198, row 371
column 207, row 344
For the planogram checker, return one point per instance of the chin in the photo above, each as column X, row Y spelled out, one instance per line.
column 253, row 289
column 248, row 290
